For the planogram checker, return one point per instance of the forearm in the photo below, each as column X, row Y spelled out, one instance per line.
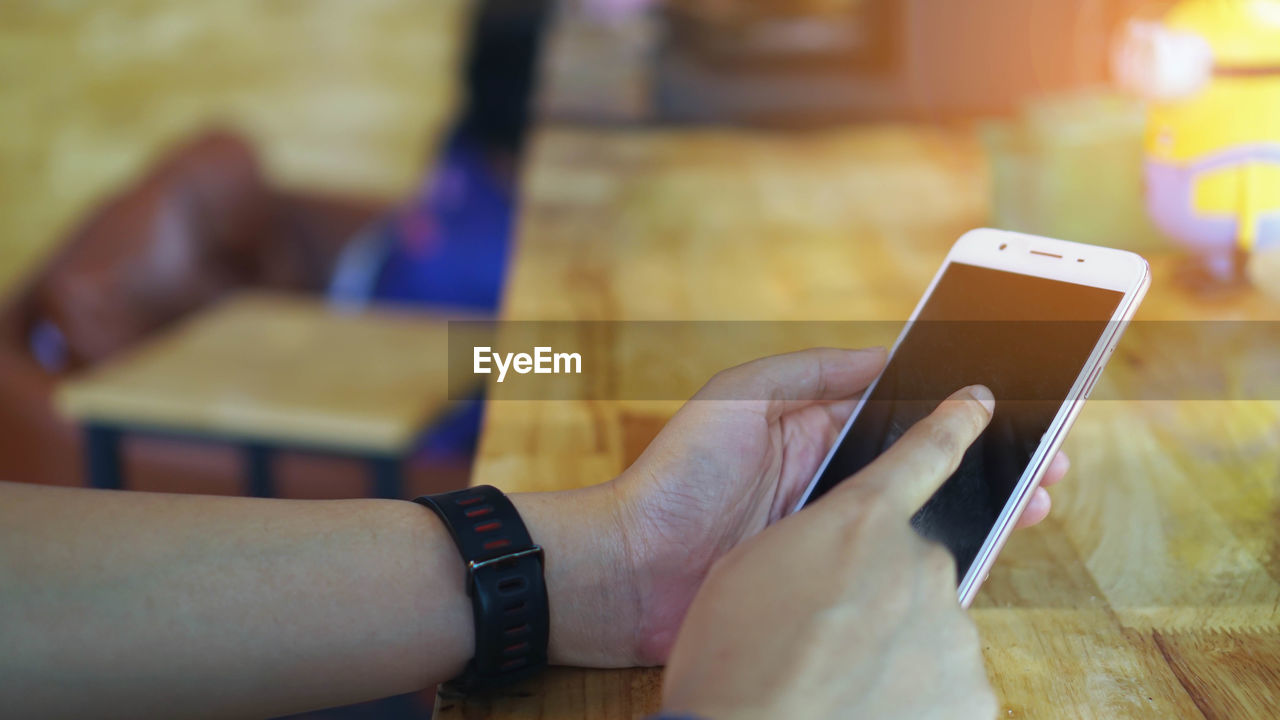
column 144, row 604
column 139, row 603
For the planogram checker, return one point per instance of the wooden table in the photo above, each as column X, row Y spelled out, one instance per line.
column 1154, row 589
column 268, row 372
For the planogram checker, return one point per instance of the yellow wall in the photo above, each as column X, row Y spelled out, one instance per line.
column 339, row 94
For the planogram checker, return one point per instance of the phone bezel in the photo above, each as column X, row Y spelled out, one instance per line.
column 1051, row 259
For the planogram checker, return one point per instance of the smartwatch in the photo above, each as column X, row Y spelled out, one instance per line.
column 505, row 583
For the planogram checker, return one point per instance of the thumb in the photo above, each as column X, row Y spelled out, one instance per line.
column 915, row 466
column 792, row 380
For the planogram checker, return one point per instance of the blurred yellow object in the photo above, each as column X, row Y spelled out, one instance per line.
column 1249, row 190
column 1212, row 71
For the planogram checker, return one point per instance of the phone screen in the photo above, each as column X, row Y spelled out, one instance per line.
column 1026, row 338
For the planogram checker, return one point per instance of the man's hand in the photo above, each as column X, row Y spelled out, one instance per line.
column 731, row 462
column 843, row 611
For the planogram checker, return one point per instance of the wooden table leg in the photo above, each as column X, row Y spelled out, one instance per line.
column 388, row 476
column 257, row 460
column 103, row 467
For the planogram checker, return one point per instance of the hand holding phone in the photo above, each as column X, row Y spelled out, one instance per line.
column 843, row 610
column 733, row 461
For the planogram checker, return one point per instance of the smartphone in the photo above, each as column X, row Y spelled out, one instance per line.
column 1034, row 319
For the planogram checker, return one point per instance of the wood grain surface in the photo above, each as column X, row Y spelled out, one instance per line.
column 279, row 368
column 1153, row 591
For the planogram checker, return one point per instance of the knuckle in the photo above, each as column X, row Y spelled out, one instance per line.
column 864, row 525
column 866, row 491
column 872, row 495
column 946, row 438
column 849, row 535
column 854, row 532
column 728, row 384
column 722, row 379
column 954, row 430
column 877, row 507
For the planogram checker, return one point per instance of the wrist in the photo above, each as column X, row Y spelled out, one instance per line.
column 589, row 577
column 667, row 556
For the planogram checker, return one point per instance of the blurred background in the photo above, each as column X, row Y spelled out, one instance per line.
column 333, row 96
column 161, row 155
column 364, row 160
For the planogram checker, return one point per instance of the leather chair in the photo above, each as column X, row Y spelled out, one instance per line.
column 202, row 223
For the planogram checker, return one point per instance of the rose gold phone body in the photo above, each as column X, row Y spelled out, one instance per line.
column 1051, row 259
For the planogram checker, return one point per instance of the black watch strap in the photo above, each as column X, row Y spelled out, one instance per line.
column 505, row 582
